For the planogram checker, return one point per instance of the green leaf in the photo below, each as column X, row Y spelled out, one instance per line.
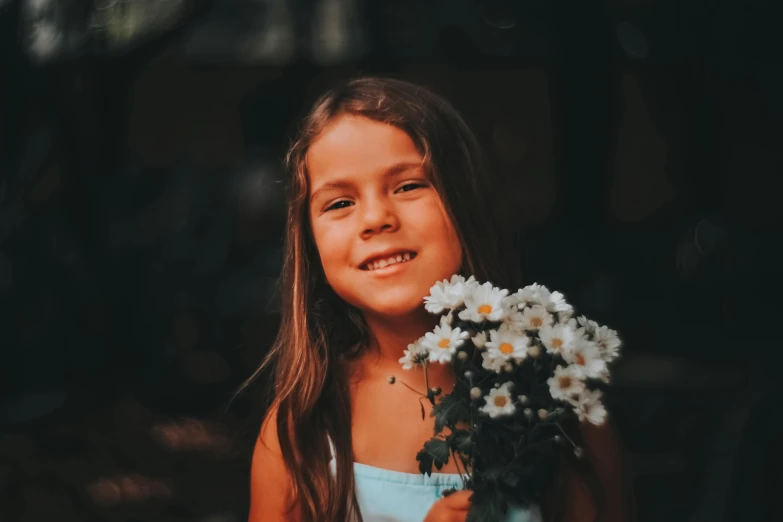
column 511, row 479
column 439, row 450
column 461, row 441
column 449, row 411
column 516, row 428
column 487, row 505
column 435, row 452
column 493, row 446
column 535, row 470
column 425, row 462
column 542, row 431
column 493, row 474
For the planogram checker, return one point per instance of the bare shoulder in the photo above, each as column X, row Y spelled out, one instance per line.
column 271, row 491
column 603, row 446
column 606, row 454
column 268, row 441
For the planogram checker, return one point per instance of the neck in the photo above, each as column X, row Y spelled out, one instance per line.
column 389, row 336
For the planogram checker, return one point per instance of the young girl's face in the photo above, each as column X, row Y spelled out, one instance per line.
column 373, row 206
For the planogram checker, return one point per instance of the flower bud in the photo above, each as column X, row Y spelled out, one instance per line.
column 468, row 374
column 528, row 413
column 558, row 439
column 392, row 379
column 542, row 414
column 462, row 356
column 508, row 367
column 480, row 340
column 475, row 393
column 578, row 452
column 523, row 399
column 534, row 350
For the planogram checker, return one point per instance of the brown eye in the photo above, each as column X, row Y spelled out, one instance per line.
column 410, row 186
column 343, row 203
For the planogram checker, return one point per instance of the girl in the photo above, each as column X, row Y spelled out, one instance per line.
column 387, row 195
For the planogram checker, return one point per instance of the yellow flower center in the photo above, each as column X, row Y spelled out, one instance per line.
column 557, row 343
column 485, row 309
column 580, row 359
column 500, row 401
column 444, row 343
column 565, row 382
column 506, row 348
column 536, row 322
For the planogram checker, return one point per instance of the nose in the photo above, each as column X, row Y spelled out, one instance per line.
column 379, row 216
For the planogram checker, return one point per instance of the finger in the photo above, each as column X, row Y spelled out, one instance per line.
column 459, row 500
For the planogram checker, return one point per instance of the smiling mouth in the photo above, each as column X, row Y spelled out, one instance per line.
column 389, row 261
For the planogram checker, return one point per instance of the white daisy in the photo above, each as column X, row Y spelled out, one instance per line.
column 448, row 295
column 552, row 301
column 484, row 303
column 527, row 296
column 588, row 407
column 494, row 364
column 584, row 356
column 499, row 402
column 604, row 375
column 480, row 340
column 533, row 318
column 565, row 316
column 608, row 343
column 415, row 355
column 533, row 350
column 565, row 383
column 507, row 344
column 443, row 342
column 579, row 331
column 556, row 337
column 587, row 326
column 514, row 320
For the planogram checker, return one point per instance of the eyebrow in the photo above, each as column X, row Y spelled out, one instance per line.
column 393, row 170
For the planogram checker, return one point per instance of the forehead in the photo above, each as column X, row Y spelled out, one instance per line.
column 354, row 145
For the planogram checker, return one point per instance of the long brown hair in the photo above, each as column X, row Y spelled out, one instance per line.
column 319, row 332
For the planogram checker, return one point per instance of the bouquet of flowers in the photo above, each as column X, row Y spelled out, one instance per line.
column 524, row 368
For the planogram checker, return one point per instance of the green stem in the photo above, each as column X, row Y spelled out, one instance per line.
column 565, row 434
column 473, row 427
column 459, row 470
column 411, row 389
column 427, row 383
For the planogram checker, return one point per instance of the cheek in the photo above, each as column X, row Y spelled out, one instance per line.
column 447, row 242
column 455, row 252
column 335, row 248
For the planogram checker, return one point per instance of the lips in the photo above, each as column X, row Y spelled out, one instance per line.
column 385, row 259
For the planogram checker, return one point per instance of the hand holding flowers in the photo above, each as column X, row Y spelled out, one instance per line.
column 524, row 367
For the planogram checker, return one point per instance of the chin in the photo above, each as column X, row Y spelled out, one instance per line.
column 397, row 311
column 394, row 306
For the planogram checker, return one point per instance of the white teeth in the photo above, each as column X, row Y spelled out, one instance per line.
column 386, row 262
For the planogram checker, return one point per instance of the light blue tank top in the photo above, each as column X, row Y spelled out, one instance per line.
column 394, row 496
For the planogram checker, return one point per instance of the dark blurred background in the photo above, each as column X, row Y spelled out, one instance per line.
column 638, row 143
